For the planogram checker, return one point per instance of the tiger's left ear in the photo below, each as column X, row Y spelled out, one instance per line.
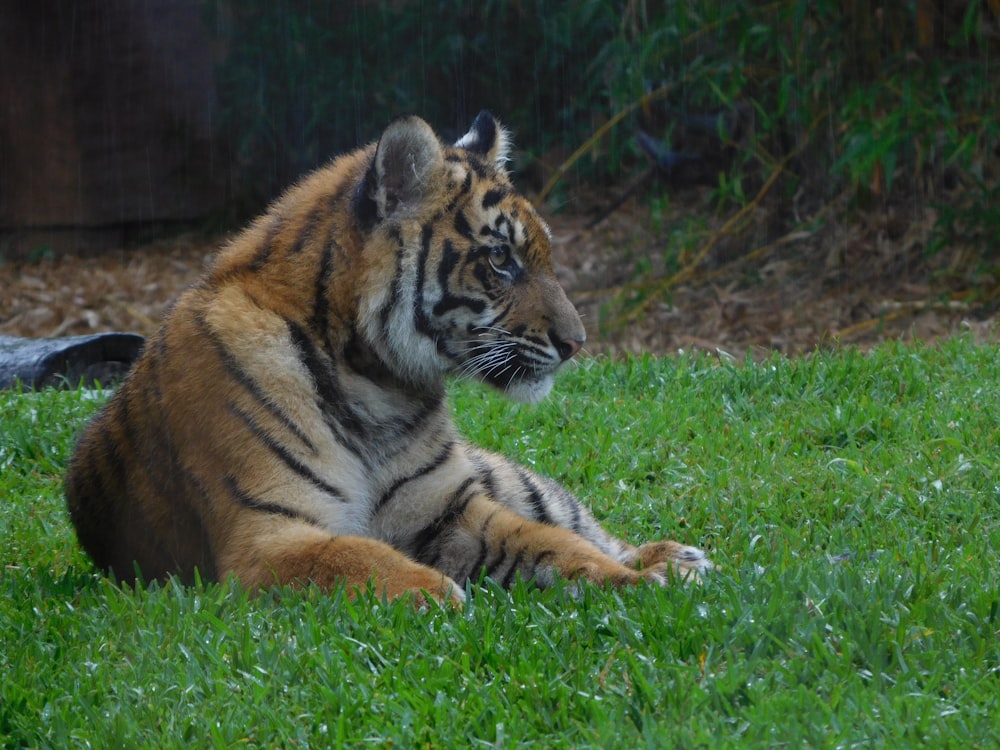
column 488, row 138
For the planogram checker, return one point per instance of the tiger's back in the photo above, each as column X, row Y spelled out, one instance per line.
column 288, row 422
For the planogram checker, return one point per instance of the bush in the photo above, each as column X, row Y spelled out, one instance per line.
column 874, row 98
column 303, row 81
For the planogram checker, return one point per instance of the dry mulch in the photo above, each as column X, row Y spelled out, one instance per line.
column 855, row 284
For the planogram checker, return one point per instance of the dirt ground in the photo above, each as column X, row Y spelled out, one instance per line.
column 755, row 291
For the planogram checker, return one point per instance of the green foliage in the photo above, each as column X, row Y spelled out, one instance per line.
column 875, row 100
column 35, row 433
column 851, row 501
column 303, row 81
column 837, row 96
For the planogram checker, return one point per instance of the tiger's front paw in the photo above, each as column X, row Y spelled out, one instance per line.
column 688, row 563
column 620, row 576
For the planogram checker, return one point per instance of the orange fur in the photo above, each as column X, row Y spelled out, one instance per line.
column 287, row 423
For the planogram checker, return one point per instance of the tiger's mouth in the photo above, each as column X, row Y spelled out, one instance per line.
column 522, row 372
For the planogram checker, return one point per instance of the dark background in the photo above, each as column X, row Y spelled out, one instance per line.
column 120, row 117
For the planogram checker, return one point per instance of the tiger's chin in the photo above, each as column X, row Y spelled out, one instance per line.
column 530, row 390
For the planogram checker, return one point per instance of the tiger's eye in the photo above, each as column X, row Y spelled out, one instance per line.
column 499, row 256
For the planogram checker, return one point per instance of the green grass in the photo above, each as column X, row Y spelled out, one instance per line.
column 852, row 502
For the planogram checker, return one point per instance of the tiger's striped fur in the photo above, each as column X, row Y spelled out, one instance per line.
column 288, row 421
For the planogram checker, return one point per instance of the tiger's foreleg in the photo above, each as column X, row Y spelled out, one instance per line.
column 484, row 537
column 534, row 496
column 288, row 552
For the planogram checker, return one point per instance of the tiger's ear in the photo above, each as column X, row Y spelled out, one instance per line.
column 408, row 160
column 488, row 138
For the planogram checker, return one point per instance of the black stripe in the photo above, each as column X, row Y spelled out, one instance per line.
column 260, row 258
column 320, row 320
column 364, row 204
column 237, row 373
column 161, row 455
column 454, row 509
column 478, row 167
column 491, row 568
column 395, row 433
column 474, row 164
column 159, row 355
column 159, row 459
column 535, row 497
column 306, row 233
column 453, row 302
column 528, row 572
column 483, row 272
column 397, row 280
column 343, row 192
column 575, row 507
column 508, row 579
column 477, row 565
column 156, row 451
column 286, row 457
column 463, row 227
column 493, row 196
column 463, row 190
column 207, row 562
column 126, row 416
column 248, row 501
column 159, row 462
column 263, row 254
column 435, row 463
column 421, row 321
column 199, row 487
column 486, row 476
column 402, row 429
column 449, row 260
column 347, row 427
column 539, row 342
column 540, row 558
column 495, row 323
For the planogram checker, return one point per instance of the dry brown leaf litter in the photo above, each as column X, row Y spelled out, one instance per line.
column 856, row 284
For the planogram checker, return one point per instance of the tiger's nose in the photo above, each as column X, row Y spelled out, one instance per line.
column 566, row 348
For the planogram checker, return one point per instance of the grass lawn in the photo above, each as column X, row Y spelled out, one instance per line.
column 851, row 501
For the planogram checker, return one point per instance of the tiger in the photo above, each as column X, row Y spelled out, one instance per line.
column 287, row 424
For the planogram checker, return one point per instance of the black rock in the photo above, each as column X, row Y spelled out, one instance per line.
column 65, row 362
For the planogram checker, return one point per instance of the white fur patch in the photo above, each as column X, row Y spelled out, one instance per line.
column 530, row 391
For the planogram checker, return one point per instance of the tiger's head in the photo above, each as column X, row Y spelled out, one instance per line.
column 461, row 272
